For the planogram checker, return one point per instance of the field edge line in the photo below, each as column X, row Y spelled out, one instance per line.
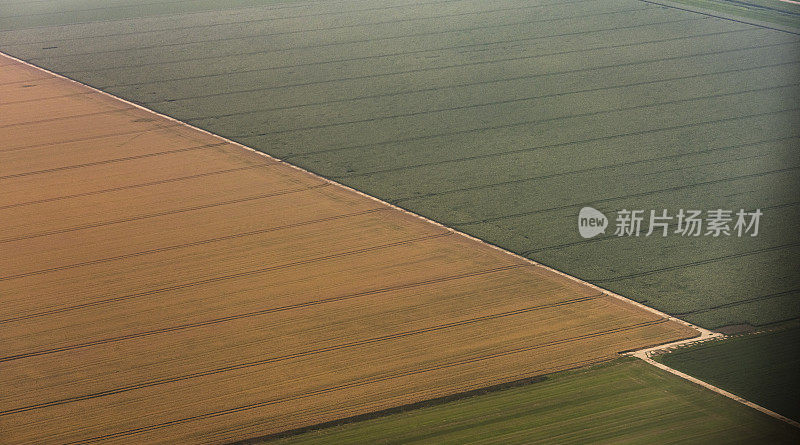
column 643, row 355
column 702, row 332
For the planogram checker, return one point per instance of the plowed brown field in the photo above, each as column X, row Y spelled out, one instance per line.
column 160, row 284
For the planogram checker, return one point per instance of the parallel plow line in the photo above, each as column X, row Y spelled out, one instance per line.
column 164, row 213
column 251, row 53
column 269, row 311
column 589, row 169
column 486, row 82
column 72, row 116
column 112, row 161
column 435, row 68
column 192, row 244
column 221, row 278
column 558, row 144
column 322, row 45
column 160, row 125
column 524, row 99
column 364, row 382
column 133, row 186
column 342, row 346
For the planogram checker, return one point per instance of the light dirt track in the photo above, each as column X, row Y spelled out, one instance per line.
column 161, row 284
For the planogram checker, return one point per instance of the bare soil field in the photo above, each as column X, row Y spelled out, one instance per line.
column 160, row 284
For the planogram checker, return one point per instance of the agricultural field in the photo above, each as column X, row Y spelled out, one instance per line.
column 611, row 403
column 754, row 366
column 160, row 283
column 501, row 119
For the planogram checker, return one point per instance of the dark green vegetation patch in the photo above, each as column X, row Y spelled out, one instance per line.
column 763, row 368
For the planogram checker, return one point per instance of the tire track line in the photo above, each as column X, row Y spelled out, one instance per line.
column 475, row 388
column 164, row 213
column 472, row 130
column 273, row 310
column 632, row 195
column 74, row 116
column 483, row 82
column 525, row 99
column 765, row 7
column 192, row 244
column 100, row 8
column 36, row 79
column 587, row 170
column 158, row 127
column 301, row 354
column 523, row 150
column 14, row 102
column 378, row 39
column 181, row 15
column 111, row 161
column 697, row 263
column 371, row 380
column 740, row 302
column 221, row 278
column 386, row 22
column 258, row 20
column 293, row 3
column 232, row 23
column 205, row 76
column 133, row 186
column 419, row 51
column 443, row 67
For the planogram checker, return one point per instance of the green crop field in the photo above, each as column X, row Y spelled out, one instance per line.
column 756, row 367
column 626, row 401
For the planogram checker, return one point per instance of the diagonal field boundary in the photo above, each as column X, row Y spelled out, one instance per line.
column 644, row 355
column 705, row 334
